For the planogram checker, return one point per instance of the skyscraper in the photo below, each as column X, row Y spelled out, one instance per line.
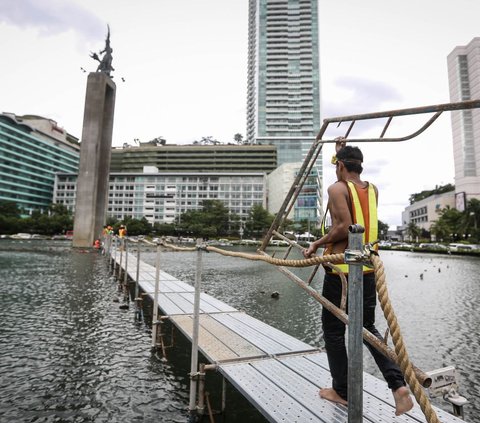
column 464, row 81
column 283, row 91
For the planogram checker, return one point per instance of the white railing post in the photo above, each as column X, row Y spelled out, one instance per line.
column 155, row 321
column 196, row 323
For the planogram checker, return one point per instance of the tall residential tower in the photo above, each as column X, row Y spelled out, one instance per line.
column 283, row 98
column 464, row 82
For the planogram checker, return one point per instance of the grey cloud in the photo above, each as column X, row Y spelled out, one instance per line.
column 52, row 17
column 366, row 96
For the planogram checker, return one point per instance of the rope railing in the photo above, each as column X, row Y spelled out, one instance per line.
column 414, row 377
column 399, row 343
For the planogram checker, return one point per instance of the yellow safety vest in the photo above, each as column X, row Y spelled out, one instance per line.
column 371, row 227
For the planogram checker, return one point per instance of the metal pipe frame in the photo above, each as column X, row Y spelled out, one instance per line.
column 355, row 329
column 317, row 145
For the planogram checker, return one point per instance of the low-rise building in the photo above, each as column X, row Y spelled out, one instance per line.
column 163, row 196
column 425, row 212
column 195, row 158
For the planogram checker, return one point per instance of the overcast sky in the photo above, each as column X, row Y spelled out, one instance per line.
column 184, row 63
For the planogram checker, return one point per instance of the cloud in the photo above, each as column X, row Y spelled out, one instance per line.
column 52, row 17
column 354, row 95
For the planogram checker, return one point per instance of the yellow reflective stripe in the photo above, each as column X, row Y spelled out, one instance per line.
column 344, row 268
column 357, row 207
column 372, row 205
column 359, row 218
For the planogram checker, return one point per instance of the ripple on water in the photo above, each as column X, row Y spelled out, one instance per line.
column 68, row 353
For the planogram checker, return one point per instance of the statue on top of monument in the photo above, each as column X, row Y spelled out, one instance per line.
column 105, row 64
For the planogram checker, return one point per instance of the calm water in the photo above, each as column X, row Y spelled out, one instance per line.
column 69, row 353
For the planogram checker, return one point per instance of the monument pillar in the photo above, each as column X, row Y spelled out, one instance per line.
column 93, row 175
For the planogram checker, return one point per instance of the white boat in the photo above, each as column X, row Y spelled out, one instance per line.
column 21, row 236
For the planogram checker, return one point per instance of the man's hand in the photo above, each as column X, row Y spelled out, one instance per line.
column 308, row 252
column 340, row 143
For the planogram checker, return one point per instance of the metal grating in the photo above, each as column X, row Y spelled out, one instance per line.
column 216, row 341
column 283, row 389
column 268, row 398
column 263, row 336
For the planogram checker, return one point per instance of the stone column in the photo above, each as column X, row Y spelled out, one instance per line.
column 95, row 150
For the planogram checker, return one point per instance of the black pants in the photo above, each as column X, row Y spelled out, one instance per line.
column 334, row 333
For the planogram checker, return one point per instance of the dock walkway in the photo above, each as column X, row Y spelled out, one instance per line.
column 279, row 374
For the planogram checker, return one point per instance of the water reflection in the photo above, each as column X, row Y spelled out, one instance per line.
column 69, row 353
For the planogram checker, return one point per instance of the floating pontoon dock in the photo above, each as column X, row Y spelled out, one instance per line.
column 279, row 374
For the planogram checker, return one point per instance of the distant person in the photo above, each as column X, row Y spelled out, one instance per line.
column 349, row 199
column 122, row 231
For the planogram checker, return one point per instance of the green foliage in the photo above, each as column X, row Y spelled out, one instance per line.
column 9, row 209
column 136, row 226
column 413, row 231
column 56, row 220
column 453, row 225
column 382, row 230
column 427, row 193
column 258, row 222
column 211, row 221
column 164, row 228
column 238, row 138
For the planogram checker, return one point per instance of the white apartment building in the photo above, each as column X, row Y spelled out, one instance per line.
column 163, row 197
column 464, row 82
column 425, row 212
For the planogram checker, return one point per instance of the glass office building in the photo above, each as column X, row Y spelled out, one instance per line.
column 283, row 89
column 32, row 150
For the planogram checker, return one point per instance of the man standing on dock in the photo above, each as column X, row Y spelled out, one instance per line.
column 348, row 199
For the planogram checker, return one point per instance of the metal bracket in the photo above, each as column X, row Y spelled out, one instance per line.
column 360, row 256
column 194, row 376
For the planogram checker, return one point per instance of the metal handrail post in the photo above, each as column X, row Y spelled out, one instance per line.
column 125, row 274
column 196, row 323
column 137, row 289
column 114, row 254
column 155, row 321
column 355, row 328
column 120, row 262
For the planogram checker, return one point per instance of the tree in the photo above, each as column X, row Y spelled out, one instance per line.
column 163, row 229
column 258, row 222
column 413, row 231
column 427, row 193
column 9, row 209
column 207, row 140
column 450, row 225
column 211, row 221
column 238, row 138
column 382, row 230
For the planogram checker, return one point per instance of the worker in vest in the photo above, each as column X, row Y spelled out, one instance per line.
column 122, row 233
column 351, row 200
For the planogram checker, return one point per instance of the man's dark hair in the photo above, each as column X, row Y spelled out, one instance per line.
column 352, row 158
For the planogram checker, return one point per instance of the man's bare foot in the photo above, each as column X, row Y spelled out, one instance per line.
column 403, row 400
column 331, row 395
